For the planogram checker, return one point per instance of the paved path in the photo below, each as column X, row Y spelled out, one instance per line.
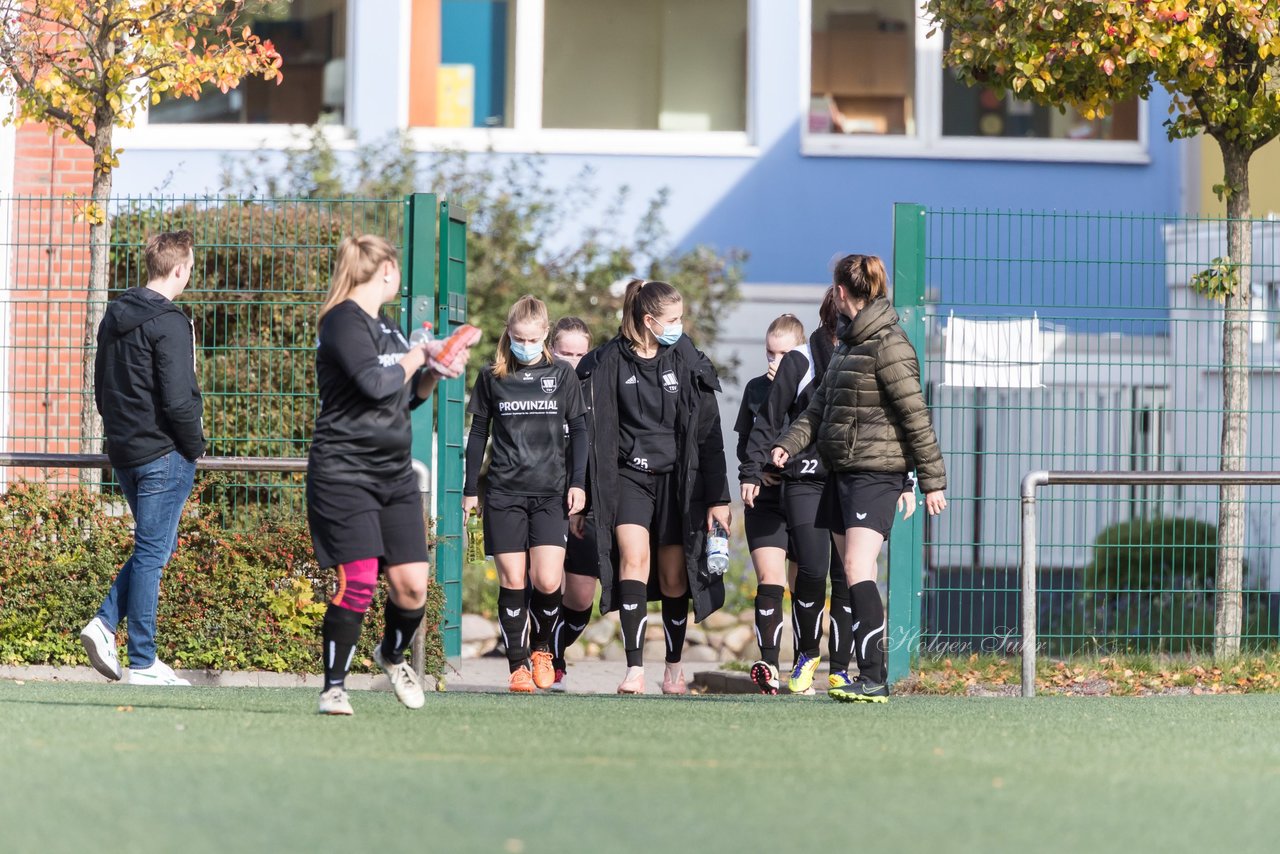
column 473, row 674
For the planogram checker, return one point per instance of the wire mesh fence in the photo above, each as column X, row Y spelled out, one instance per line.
column 262, row 268
column 1067, row 341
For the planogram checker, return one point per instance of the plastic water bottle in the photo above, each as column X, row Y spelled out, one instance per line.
column 421, row 336
column 717, row 550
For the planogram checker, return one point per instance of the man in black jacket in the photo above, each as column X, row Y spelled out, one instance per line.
column 145, row 389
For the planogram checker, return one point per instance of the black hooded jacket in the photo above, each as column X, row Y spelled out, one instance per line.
column 699, row 468
column 144, row 380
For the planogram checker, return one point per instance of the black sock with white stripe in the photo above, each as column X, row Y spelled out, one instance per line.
column 401, row 624
column 544, row 613
column 339, row 634
column 634, row 598
column 572, row 625
column 675, row 621
column 840, row 641
column 869, row 635
column 807, row 601
column 513, row 621
column 769, row 621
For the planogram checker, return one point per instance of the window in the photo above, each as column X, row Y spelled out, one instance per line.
column 311, row 35
column 877, row 85
column 977, row 111
column 670, row 65
column 576, row 76
column 862, row 67
column 462, row 64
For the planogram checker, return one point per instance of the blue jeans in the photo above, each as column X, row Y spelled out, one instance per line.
column 156, row 493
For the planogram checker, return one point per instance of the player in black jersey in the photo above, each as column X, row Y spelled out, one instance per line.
column 765, row 521
column 802, row 481
column 657, row 474
column 570, row 341
column 527, row 399
column 363, row 504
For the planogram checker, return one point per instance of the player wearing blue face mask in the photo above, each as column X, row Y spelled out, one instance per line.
column 657, row 474
column 526, row 399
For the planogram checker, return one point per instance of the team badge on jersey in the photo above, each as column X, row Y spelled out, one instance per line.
column 669, row 381
column 549, row 385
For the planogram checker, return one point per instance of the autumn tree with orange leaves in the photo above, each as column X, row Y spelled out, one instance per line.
column 1218, row 61
column 84, row 67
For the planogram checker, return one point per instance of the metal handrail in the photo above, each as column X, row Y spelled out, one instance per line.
column 417, row 653
column 1033, row 480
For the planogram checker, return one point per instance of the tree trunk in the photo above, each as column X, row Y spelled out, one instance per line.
column 91, row 438
column 1235, row 403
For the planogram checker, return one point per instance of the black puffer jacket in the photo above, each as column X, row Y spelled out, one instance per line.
column 144, row 380
column 700, row 464
column 869, row 413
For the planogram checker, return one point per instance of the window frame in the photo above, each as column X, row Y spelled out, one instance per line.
column 929, row 142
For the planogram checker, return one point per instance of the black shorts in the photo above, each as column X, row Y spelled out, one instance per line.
column 860, row 499
column 581, row 556
column 651, row 501
column 766, row 523
column 517, row 523
column 350, row 522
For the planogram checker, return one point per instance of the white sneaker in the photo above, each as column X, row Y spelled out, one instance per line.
column 100, row 643
column 158, row 673
column 335, row 702
column 403, row 680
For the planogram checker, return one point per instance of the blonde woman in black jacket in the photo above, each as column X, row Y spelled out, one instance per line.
column 656, row 473
column 872, row 426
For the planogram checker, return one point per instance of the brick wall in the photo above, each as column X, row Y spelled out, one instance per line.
column 49, row 259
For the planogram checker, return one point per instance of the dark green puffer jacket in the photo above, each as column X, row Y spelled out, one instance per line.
column 869, row 413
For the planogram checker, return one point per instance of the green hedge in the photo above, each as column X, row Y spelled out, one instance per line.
column 250, row 598
column 1150, row 587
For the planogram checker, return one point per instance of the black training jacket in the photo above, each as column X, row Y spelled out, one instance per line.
column 363, row 432
column 144, row 380
column 793, row 386
column 700, row 464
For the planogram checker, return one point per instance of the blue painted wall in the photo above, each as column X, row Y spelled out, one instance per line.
column 790, row 212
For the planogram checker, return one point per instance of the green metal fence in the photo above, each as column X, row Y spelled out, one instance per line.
column 1074, row 342
column 262, row 268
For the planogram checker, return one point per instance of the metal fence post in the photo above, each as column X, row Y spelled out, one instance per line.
column 451, row 400
column 1030, row 605
column 906, row 540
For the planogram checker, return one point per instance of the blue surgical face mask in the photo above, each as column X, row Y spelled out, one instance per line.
column 670, row 334
column 526, row 354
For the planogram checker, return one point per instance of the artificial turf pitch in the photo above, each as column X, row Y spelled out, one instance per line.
column 106, row 768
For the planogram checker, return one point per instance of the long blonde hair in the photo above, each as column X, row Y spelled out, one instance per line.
column 527, row 308
column 358, row 262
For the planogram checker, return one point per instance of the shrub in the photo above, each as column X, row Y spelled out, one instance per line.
column 230, row 600
column 518, row 235
column 1150, row 587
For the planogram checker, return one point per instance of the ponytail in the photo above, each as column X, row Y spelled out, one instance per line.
column 527, row 308
column 828, row 313
column 644, row 298
column 862, row 276
column 358, row 262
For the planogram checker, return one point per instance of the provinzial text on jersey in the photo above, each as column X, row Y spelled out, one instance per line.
column 518, row 407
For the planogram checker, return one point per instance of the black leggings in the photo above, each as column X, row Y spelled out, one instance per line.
column 814, row 553
column 816, row 560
